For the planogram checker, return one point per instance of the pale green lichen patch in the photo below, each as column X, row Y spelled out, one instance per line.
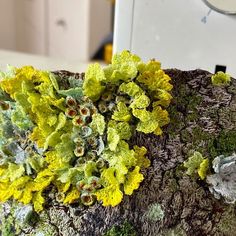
column 154, row 212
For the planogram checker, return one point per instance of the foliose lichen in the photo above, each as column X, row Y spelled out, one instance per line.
column 223, row 182
column 197, row 164
column 73, row 134
column 220, row 78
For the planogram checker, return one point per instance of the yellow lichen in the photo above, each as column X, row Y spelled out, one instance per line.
column 72, row 196
column 66, row 136
column 133, row 180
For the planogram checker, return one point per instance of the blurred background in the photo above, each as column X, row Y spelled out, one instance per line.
column 70, row 34
column 183, row 34
column 72, row 30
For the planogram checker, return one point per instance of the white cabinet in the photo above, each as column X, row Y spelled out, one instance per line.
column 68, row 29
column 31, row 26
column 77, row 27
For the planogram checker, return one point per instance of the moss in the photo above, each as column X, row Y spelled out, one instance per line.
column 194, row 101
column 180, row 170
column 225, row 144
column 173, row 185
column 125, row 229
column 177, row 112
column 174, row 117
column 200, row 141
column 185, row 135
column 188, row 100
column 232, row 89
column 170, row 181
column 208, row 144
column 192, row 117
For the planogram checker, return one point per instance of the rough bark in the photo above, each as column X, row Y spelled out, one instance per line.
column 168, row 202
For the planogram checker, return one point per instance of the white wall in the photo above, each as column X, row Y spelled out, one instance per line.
column 181, row 34
column 7, row 24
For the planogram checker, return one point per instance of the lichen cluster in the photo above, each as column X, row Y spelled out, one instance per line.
column 197, row 163
column 223, row 181
column 220, row 79
column 68, row 140
column 72, row 133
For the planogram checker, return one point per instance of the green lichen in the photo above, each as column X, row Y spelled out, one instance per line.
column 197, row 164
column 125, row 229
column 220, row 79
column 25, row 215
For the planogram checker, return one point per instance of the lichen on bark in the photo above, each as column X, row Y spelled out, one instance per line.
column 201, row 119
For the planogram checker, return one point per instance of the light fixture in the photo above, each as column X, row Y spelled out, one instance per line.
column 222, row 6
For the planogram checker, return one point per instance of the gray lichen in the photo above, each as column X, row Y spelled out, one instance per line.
column 223, row 182
column 23, row 214
column 154, row 213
